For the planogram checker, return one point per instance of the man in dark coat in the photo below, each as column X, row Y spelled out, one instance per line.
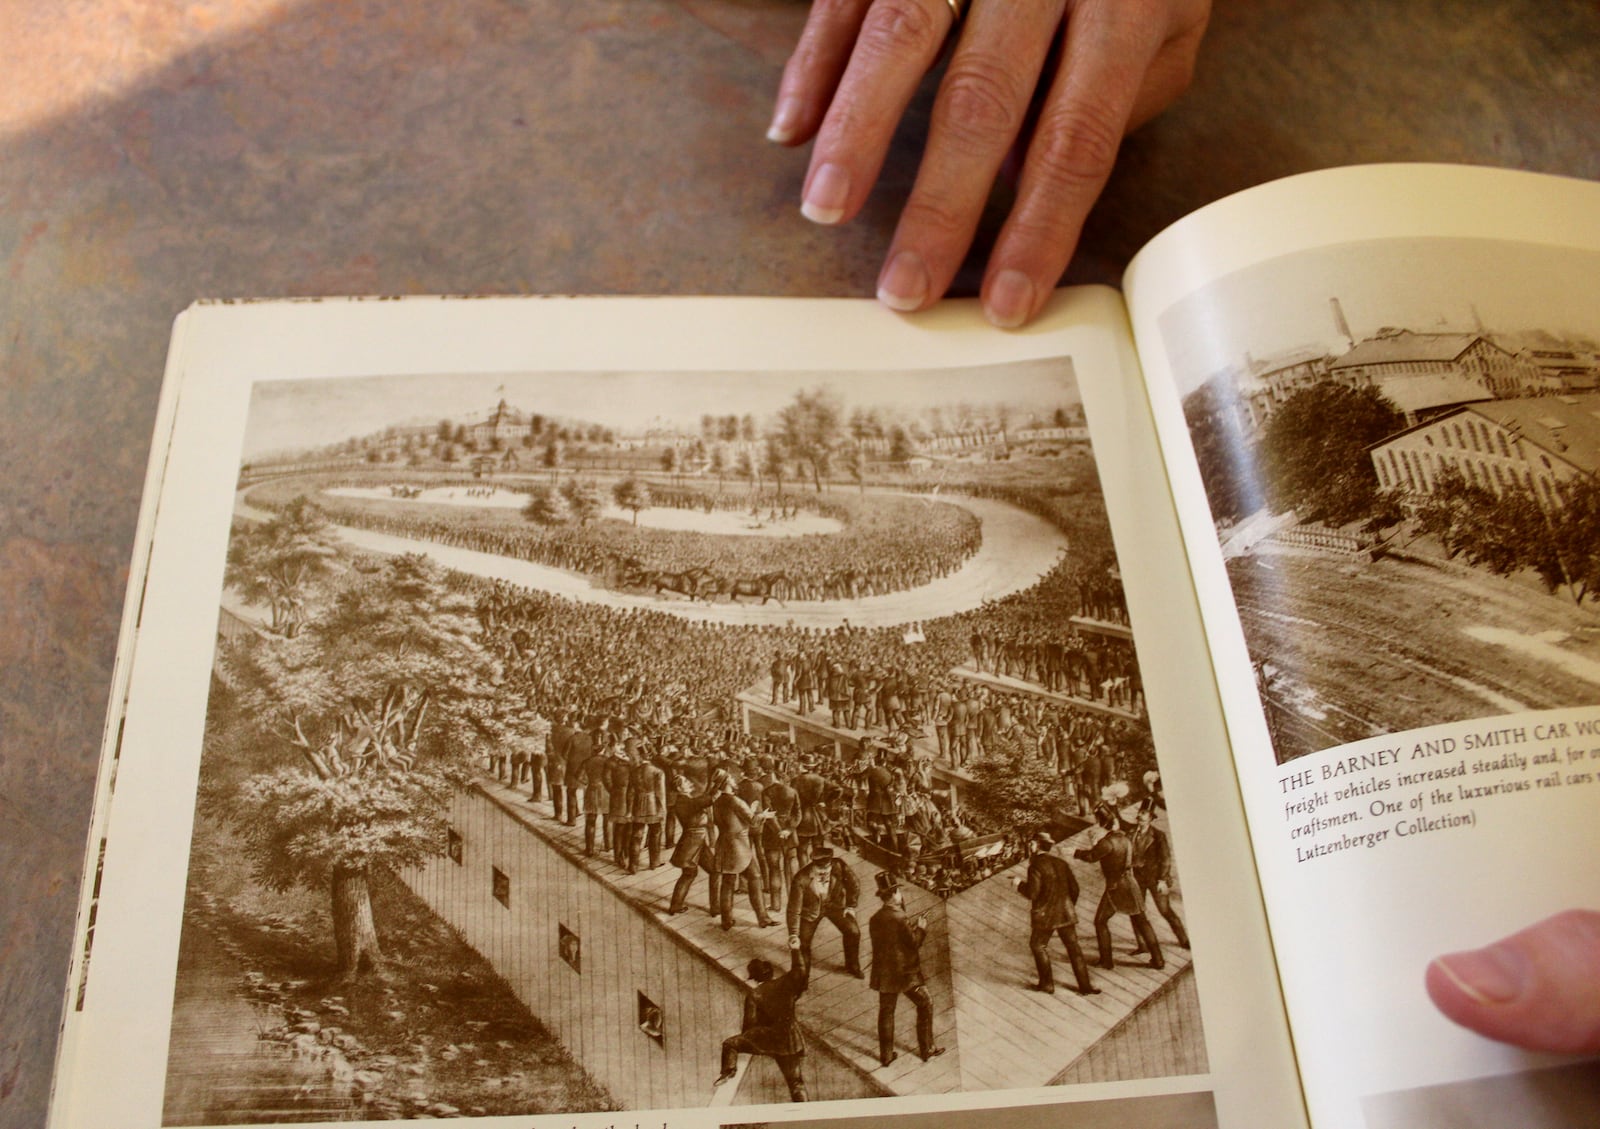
column 735, row 853
column 580, row 751
column 693, row 851
column 596, row 800
column 1053, row 889
column 778, row 839
column 1114, row 853
column 825, row 888
column 897, row 970
column 769, row 1026
column 881, row 807
column 1152, row 866
column 558, row 744
column 810, row 788
column 619, row 787
column 648, row 794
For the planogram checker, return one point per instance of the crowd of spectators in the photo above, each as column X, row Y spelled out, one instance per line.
column 671, row 686
column 887, row 544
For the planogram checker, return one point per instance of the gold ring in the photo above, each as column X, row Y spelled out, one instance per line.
column 958, row 8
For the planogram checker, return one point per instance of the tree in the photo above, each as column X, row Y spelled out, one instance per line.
column 277, row 562
column 672, row 461
column 555, row 453
column 747, row 468
column 1446, row 512
column 855, row 464
column 547, row 506
column 585, row 499
column 369, row 718
column 772, row 461
column 632, row 494
column 1314, row 451
column 1225, row 455
column 1575, row 528
column 810, row 429
column 719, row 464
column 900, row 446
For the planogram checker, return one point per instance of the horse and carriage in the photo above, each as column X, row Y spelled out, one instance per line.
column 700, row 583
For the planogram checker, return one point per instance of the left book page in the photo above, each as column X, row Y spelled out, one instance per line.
column 572, row 706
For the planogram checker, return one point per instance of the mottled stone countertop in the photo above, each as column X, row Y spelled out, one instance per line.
column 158, row 151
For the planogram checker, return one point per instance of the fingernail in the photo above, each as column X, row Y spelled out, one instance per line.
column 904, row 285
column 785, row 118
column 826, row 196
column 1494, row 975
column 1010, row 299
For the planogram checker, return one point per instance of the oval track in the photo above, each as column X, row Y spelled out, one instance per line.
column 1018, row 548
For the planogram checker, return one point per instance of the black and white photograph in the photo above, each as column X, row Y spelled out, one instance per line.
column 1403, row 472
column 588, row 741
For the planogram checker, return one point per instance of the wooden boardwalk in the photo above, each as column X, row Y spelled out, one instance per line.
column 996, row 1033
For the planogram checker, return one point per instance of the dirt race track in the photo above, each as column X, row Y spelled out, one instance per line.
column 1018, row 549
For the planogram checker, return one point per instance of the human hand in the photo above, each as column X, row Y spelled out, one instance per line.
column 858, row 64
column 1538, row 989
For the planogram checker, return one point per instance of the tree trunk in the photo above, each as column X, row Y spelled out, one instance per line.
column 354, row 934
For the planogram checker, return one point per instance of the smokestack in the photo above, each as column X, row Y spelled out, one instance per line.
column 1340, row 324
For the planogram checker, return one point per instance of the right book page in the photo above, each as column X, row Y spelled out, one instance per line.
column 1378, row 394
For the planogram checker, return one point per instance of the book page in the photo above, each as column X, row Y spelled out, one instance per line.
column 546, row 711
column 1379, row 392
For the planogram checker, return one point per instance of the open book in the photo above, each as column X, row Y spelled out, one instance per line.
column 561, row 711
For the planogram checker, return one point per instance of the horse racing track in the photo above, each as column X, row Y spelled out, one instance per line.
column 895, row 557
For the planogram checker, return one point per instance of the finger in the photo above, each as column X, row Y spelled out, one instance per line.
column 898, row 41
column 1539, row 988
column 813, row 71
column 980, row 108
column 1170, row 74
column 1108, row 50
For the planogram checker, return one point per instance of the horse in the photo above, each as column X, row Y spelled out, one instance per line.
column 691, row 582
column 769, row 586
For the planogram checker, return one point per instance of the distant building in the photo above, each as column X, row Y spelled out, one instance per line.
column 1535, row 444
column 1424, row 374
column 1266, row 384
column 1050, row 435
column 1567, row 369
column 504, row 427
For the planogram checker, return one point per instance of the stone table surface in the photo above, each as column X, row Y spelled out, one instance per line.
column 157, row 151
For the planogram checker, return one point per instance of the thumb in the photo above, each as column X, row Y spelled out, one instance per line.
column 1538, row 989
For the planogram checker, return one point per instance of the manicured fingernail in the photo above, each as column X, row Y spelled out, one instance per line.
column 1494, row 975
column 785, row 119
column 826, row 195
column 904, row 284
column 1010, row 299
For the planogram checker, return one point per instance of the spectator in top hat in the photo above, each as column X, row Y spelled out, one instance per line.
column 897, row 970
